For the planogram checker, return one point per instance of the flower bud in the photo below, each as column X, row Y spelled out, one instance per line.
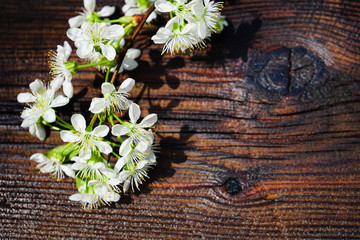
column 62, row 153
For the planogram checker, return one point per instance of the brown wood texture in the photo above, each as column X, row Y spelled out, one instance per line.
column 259, row 133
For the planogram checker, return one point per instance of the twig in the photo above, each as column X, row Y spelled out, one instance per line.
column 131, row 41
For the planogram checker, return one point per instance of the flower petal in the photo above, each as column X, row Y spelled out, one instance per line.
column 66, row 168
column 164, row 6
column 151, row 17
column 59, row 101
column 121, row 163
column 74, row 33
column 89, row 5
column 37, row 86
column 133, row 53
column 78, row 122
column 29, row 121
column 101, row 131
column 67, row 75
column 202, row 29
column 93, row 182
column 134, row 113
column 127, row 85
column 198, row 9
column 126, row 186
column 119, row 130
column 110, row 173
column 39, row 157
column 49, row 115
column 141, row 164
column 112, row 197
column 68, row 89
column 75, row 22
column 97, row 105
column 56, row 83
column 85, row 49
column 103, row 147
column 78, row 166
column 38, row 131
column 106, row 11
column 67, row 49
column 76, row 197
column 113, row 181
column 25, row 97
column 149, row 120
column 151, row 157
column 129, row 64
column 124, row 175
column 115, row 32
column 108, row 51
column 107, row 88
column 142, row 146
column 125, row 147
column 68, row 136
column 98, row 165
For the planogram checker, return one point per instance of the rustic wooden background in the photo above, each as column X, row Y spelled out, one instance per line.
column 259, row 134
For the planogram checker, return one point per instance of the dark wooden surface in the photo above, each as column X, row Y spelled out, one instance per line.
column 259, row 134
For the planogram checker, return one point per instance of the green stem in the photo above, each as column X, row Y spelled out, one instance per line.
column 51, row 126
column 107, row 75
column 126, row 31
column 93, row 64
column 111, row 120
column 67, row 126
column 62, row 123
column 89, row 128
column 113, row 144
column 110, row 21
column 67, row 146
column 171, row 15
column 116, row 155
column 117, row 118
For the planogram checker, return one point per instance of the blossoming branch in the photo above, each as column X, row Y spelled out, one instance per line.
column 106, row 44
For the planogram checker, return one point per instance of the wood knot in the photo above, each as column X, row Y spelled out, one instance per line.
column 287, row 71
column 232, row 186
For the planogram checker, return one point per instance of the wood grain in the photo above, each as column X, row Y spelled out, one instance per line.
column 272, row 105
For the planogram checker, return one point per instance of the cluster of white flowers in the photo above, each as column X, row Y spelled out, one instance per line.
column 191, row 23
column 100, row 43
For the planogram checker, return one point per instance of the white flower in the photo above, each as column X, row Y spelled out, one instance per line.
column 87, row 141
column 88, row 11
column 143, row 151
column 52, row 166
column 135, row 175
column 91, row 168
column 136, row 132
column 133, row 7
column 86, row 170
column 62, row 75
column 104, row 188
column 129, row 62
column 41, row 102
column 112, row 100
column 91, row 36
column 180, row 7
column 175, row 38
column 95, row 193
column 91, row 201
column 207, row 15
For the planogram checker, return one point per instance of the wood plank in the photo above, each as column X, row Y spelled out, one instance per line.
column 259, row 133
